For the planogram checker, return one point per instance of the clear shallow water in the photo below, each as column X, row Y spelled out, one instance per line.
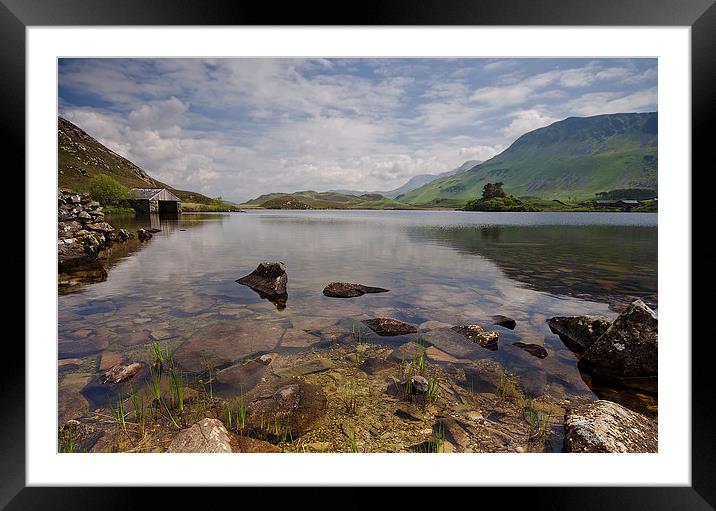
column 450, row 267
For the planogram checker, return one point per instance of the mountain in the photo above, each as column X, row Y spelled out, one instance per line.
column 414, row 182
column 325, row 200
column 571, row 159
column 80, row 157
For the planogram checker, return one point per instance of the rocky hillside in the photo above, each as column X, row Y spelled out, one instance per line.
column 80, row 157
column 325, row 200
column 571, row 159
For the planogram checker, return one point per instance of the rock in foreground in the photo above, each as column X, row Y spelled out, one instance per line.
column 389, row 327
column 348, row 290
column 604, row 426
column 121, row 372
column 629, row 347
column 207, row 435
column 533, row 349
column 485, row 338
column 578, row 332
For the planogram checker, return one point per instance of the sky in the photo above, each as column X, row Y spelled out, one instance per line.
column 238, row 128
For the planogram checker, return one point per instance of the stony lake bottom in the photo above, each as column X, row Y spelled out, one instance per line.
column 442, row 268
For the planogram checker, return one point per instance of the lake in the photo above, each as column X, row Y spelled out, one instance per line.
column 441, row 267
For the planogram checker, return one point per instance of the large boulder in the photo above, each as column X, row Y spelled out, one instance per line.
column 390, row 327
column 269, row 278
column 604, row 426
column 629, row 347
column 578, row 332
column 207, row 435
column 348, row 290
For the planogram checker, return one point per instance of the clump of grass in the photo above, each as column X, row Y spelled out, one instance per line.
column 537, row 421
column 235, row 412
column 348, row 397
column 354, row 441
column 139, row 415
column 157, row 357
column 176, row 388
column 420, row 359
column 358, row 332
column 438, row 442
column 120, row 416
column 433, row 392
column 67, row 439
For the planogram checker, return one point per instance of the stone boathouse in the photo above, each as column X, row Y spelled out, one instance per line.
column 155, row 200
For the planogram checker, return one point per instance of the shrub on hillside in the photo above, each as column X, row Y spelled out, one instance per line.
column 108, row 191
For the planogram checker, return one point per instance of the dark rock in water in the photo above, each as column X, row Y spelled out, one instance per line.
column 226, row 341
column 629, row 347
column 578, row 332
column 418, row 384
column 144, row 235
column 389, row 327
column 207, row 435
column 154, row 230
column 485, row 338
column 123, row 235
column 269, row 280
column 292, row 409
column 604, row 426
column 120, row 373
column 533, row 349
column 504, row 321
column 348, row 290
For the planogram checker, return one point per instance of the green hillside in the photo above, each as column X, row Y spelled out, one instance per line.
column 325, row 200
column 569, row 160
column 80, row 157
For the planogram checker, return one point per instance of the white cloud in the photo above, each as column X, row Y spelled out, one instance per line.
column 526, row 120
column 595, row 103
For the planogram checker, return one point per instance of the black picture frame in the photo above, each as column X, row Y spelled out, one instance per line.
column 700, row 15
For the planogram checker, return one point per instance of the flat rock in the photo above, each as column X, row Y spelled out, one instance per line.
column 484, row 376
column 504, row 321
column 437, row 355
column 242, row 376
column 578, row 332
column 80, row 347
column 405, row 352
column 628, row 348
column 207, row 435
column 389, row 327
column 605, row 426
column 195, row 304
column 349, row 290
column 312, row 366
column 295, row 338
column 485, row 338
column 69, row 362
column 375, row 366
column 226, row 341
column 533, row 349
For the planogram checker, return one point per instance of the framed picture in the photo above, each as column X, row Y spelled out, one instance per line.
column 419, row 230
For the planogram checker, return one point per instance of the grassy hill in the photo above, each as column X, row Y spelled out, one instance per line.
column 81, row 157
column 325, row 200
column 569, row 160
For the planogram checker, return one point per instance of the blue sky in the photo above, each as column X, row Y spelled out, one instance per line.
column 238, row 128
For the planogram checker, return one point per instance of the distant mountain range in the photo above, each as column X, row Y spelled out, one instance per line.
column 414, row 182
column 326, row 200
column 80, row 157
column 568, row 160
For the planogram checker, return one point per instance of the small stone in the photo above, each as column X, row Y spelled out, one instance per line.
column 389, row 327
column 504, row 321
column 485, row 338
column 419, row 384
column 121, row 372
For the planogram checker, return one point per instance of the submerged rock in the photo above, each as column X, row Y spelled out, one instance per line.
column 485, row 338
column 292, row 409
column 505, row 321
column 226, row 341
column 348, row 290
column 604, row 426
column 243, row 377
column 120, row 373
column 269, row 278
column 628, row 348
column 533, row 349
column 207, row 435
column 389, row 327
column 578, row 332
